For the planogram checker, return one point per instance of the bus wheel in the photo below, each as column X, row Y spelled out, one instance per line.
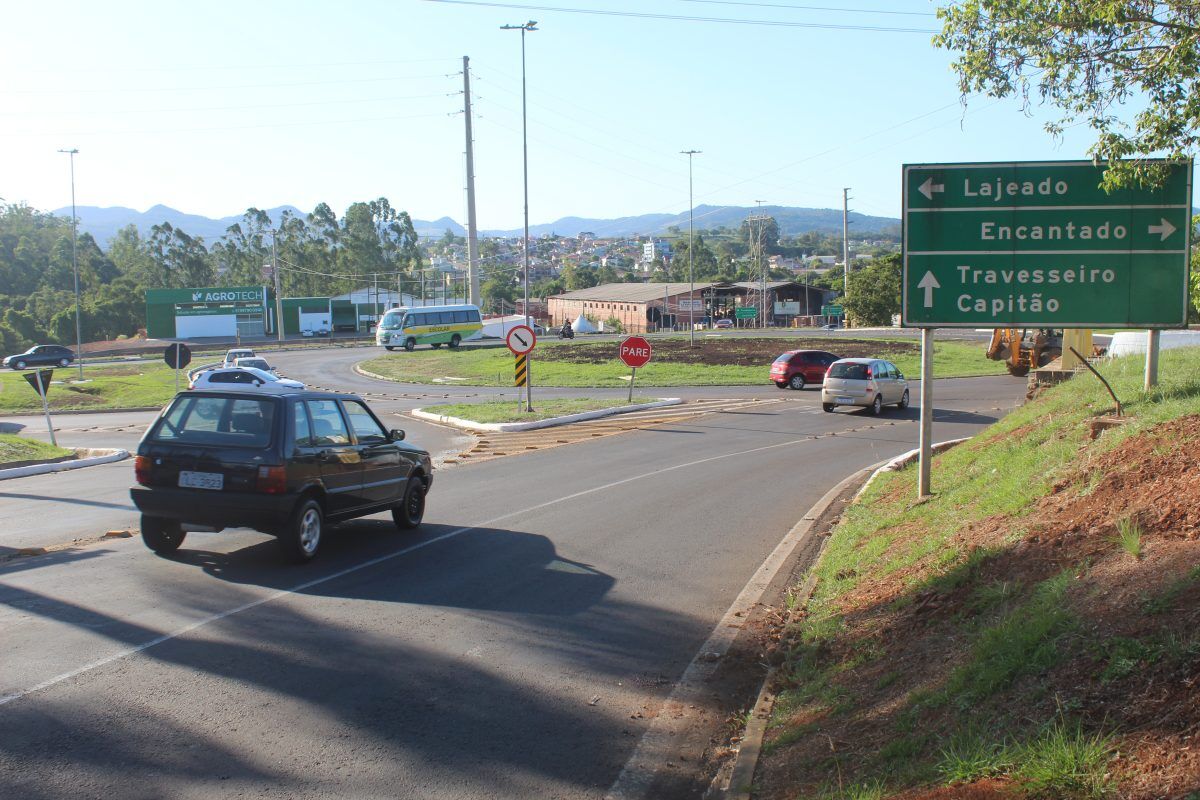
column 410, row 344
column 455, row 340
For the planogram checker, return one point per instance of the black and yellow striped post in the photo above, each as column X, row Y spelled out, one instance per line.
column 521, row 373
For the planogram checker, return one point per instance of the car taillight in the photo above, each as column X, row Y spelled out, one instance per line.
column 141, row 470
column 272, row 480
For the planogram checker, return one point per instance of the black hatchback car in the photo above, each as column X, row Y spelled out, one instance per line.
column 42, row 355
column 282, row 463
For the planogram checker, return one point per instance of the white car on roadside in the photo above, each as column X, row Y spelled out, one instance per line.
column 231, row 356
column 247, row 378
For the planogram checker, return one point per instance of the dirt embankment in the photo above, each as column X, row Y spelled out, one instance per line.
column 728, row 351
column 1125, row 663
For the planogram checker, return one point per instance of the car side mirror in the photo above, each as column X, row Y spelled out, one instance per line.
column 396, row 435
column 257, row 382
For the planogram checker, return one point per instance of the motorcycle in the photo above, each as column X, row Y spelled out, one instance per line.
column 566, row 332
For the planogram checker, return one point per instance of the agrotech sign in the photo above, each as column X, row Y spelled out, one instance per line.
column 1041, row 244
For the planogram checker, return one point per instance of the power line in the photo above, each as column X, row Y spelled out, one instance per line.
column 688, row 18
column 812, row 8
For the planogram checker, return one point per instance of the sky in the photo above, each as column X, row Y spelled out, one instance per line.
column 217, row 107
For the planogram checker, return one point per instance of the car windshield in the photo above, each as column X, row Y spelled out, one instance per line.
column 217, row 421
column 854, row 372
column 256, row 363
column 258, row 373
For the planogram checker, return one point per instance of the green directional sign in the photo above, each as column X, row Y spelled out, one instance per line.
column 745, row 312
column 832, row 311
column 1040, row 244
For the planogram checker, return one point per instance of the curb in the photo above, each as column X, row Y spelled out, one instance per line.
column 510, row 427
column 67, row 411
column 656, row 746
column 741, row 776
column 103, row 457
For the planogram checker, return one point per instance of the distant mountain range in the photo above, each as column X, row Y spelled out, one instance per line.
column 103, row 223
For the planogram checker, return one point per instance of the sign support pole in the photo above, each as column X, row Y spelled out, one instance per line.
column 926, row 439
column 177, row 356
column 1152, row 343
column 46, row 409
column 529, row 383
column 632, row 375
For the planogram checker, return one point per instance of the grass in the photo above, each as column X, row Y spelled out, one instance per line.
column 15, row 448
column 1129, row 536
column 1008, row 634
column 138, row 385
column 494, row 367
column 514, row 411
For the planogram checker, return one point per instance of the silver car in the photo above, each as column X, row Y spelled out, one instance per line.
column 865, row 382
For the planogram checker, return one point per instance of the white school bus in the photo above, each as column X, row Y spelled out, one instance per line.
column 431, row 325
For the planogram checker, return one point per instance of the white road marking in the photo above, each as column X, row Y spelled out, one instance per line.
column 186, row 629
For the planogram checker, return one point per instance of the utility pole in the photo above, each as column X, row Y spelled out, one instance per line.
column 528, row 26
column 756, row 250
column 691, row 254
column 472, row 230
column 75, row 267
column 278, row 288
column 845, row 247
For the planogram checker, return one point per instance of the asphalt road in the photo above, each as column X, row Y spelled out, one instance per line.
column 518, row 645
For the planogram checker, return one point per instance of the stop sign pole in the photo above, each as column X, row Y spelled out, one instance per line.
column 635, row 352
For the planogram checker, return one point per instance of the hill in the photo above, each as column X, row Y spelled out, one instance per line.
column 103, row 223
column 1030, row 631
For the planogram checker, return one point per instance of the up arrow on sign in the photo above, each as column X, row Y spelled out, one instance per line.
column 929, row 283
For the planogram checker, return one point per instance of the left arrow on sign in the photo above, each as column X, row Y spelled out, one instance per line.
column 1166, row 229
column 929, row 187
column 929, row 283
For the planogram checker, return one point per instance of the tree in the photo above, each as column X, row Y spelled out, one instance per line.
column 875, row 292
column 1087, row 59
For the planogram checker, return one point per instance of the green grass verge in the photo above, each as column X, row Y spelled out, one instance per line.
column 142, row 384
column 514, row 411
column 494, row 366
column 15, row 448
column 1012, row 633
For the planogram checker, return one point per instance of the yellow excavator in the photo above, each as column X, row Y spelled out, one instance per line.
column 1024, row 349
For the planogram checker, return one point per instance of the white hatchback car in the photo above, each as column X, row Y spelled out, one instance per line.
column 247, row 378
column 866, row 382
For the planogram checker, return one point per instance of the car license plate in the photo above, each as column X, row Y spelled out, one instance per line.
column 845, row 401
column 201, row 480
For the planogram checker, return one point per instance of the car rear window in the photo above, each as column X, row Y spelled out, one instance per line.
column 783, row 359
column 218, row 421
column 854, row 372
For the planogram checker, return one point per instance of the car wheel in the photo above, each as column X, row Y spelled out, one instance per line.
column 877, row 406
column 437, row 345
column 903, row 400
column 163, row 536
column 410, row 344
column 302, row 535
column 64, row 362
column 796, row 382
column 455, row 341
column 388, row 347
column 19, row 364
column 411, row 510
column 781, row 384
column 827, row 408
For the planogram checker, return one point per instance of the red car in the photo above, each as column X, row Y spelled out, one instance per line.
column 798, row 368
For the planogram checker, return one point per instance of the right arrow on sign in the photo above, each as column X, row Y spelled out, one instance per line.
column 929, row 283
column 929, row 187
column 1166, row 229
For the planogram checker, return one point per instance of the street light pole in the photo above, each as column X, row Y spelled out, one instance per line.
column 75, row 265
column 528, row 26
column 691, row 254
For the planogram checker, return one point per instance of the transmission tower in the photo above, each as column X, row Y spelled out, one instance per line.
column 757, row 223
